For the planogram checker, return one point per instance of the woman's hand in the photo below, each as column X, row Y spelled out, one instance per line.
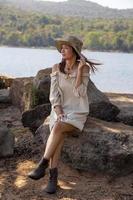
column 60, row 116
column 82, row 63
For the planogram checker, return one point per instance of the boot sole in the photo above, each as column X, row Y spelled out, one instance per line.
column 35, row 178
column 50, row 192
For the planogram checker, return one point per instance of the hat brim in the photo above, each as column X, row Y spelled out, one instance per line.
column 59, row 43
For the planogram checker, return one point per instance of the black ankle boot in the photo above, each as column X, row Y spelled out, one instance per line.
column 52, row 182
column 39, row 172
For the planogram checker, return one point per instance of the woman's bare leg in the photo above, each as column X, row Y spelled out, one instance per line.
column 55, row 137
column 55, row 159
column 53, row 148
column 53, row 141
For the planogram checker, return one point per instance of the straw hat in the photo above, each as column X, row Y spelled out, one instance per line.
column 72, row 41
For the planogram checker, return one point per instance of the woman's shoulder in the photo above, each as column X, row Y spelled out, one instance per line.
column 55, row 67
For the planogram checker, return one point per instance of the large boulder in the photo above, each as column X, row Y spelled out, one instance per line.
column 101, row 146
column 33, row 118
column 100, row 105
column 40, row 76
column 28, row 92
column 94, row 94
column 104, row 110
column 21, row 93
column 41, row 83
column 7, row 141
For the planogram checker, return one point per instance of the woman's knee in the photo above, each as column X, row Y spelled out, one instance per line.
column 61, row 127
column 57, row 128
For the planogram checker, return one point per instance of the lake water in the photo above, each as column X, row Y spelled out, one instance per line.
column 115, row 75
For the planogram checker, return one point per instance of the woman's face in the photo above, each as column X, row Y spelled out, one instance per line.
column 67, row 52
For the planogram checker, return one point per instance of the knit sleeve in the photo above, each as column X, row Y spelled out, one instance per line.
column 54, row 97
column 81, row 90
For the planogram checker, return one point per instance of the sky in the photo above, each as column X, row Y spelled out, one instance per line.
column 120, row 4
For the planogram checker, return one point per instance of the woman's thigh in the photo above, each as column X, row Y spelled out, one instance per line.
column 64, row 127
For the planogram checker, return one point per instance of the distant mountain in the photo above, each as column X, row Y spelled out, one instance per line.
column 80, row 8
column 29, row 25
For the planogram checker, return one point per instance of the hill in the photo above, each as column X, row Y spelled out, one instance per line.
column 27, row 27
column 80, row 8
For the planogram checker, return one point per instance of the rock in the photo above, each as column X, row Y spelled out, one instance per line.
column 126, row 119
column 7, row 141
column 4, row 96
column 125, row 105
column 35, row 117
column 42, row 133
column 26, row 93
column 104, row 110
column 5, row 81
column 21, row 93
column 101, row 146
column 100, row 105
column 126, row 114
column 94, row 94
column 40, row 76
column 41, row 83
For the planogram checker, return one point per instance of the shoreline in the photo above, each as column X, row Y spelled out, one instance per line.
column 54, row 48
column 118, row 93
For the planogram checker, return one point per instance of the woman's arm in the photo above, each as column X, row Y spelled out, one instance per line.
column 81, row 81
column 82, row 68
column 56, row 100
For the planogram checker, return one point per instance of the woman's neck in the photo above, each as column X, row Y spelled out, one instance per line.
column 70, row 62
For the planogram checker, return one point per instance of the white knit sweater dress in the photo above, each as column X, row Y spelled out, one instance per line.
column 74, row 101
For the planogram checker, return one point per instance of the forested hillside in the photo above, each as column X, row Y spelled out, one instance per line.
column 28, row 28
column 81, row 8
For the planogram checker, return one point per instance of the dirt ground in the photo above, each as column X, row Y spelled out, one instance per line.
column 73, row 184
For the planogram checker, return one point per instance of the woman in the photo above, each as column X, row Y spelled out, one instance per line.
column 70, row 107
